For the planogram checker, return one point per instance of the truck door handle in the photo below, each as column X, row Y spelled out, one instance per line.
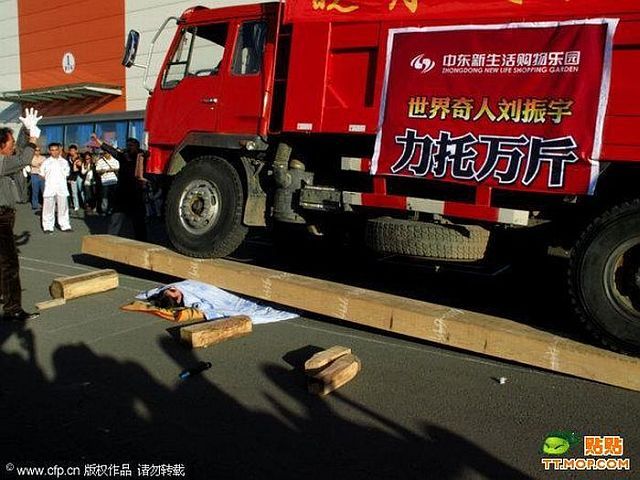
column 210, row 100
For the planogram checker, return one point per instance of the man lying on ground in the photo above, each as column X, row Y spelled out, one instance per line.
column 212, row 302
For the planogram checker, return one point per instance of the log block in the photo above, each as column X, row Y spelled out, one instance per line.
column 335, row 375
column 84, row 284
column 209, row 333
column 56, row 302
column 325, row 357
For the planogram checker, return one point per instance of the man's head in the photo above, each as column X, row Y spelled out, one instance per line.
column 173, row 296
column 73, row 150
column 7, row 142
column 55, row 149
column 133, row 145
column 170, row 297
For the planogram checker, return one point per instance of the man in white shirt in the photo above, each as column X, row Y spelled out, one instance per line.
column 107, row 168
column 55, row 170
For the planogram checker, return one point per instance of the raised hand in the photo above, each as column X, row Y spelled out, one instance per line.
column 31, row 118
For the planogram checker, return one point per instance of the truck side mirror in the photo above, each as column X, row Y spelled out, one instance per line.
column 131, row 49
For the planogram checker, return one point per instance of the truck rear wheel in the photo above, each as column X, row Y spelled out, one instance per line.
column 431, row 240
column 604, row 277
column 204, row 209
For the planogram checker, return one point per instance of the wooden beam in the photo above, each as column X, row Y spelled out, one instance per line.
column 471, row 331
column 209, row 333
column 84, row 284
column 56, row 302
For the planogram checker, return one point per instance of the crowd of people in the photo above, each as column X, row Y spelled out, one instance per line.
column 102, row 180
column 89, row 183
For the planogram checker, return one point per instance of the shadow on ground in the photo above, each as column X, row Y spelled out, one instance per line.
column 95, row 409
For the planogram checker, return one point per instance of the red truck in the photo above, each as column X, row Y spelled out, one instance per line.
column 441, row 125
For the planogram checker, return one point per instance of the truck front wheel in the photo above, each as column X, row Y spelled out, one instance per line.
column 604, row 277
column 204, row 209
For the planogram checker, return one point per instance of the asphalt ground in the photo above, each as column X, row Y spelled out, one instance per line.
column 87, row 385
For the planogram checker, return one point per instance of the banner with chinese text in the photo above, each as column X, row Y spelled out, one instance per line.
column 518, row 106
column 445, row 10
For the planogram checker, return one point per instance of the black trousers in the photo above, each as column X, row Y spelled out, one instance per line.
column 9, row 266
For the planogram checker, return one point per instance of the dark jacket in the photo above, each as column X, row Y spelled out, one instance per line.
column 11, row 164
column 128, row 191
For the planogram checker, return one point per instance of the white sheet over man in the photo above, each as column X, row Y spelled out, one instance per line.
column 217, row 303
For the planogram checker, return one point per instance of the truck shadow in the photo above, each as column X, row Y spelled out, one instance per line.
column 531, row 290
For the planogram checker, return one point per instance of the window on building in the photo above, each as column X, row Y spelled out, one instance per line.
column 78, row 134
column 114, row 133
column 199, row 52
column 50, row 134
column 136, row 130
column 247, row 59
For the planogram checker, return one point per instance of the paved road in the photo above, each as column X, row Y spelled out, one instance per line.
column 89, row 384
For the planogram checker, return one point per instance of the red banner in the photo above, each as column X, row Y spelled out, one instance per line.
column 519, row 106
column 435, row 10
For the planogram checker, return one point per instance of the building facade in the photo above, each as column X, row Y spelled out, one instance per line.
column 63, row 57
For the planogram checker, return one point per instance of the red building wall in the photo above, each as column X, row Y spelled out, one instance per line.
column 92, row 31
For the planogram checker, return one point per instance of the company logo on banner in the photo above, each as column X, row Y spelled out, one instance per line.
column 423, row 64
column 517, row 106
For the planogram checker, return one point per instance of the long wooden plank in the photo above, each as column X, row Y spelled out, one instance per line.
column 462, row 329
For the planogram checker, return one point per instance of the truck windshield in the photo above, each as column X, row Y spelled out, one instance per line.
column 199, row 52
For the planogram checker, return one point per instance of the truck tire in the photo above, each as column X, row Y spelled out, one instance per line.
column 204, row 209
column 432, row 240
column 604, row 277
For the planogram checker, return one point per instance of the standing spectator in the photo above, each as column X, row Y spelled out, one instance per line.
column 107, row 168
column 55, row 171
column 37, row 184
column 11, row 162
column 128, row 200
column 75, row 163
column 89, row 184
column 80, row 178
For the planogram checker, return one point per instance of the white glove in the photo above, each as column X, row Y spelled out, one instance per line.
column 31, row 118
column 34, row 132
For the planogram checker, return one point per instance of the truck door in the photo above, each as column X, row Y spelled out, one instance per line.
column 190, row 88
column 244, row 102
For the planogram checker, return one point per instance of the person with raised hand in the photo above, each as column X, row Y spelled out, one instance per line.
column 14, row 156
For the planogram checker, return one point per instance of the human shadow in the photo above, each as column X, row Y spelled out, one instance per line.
column 337, row 447
column 90, row 408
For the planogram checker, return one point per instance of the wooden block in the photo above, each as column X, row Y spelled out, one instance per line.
column 451, row 327
column 84, row 284
column 335, row 375
column 56, row 302
column 325, row 357
column 216, row 331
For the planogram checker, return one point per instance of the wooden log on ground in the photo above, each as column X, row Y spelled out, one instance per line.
column 56, row 302
column 209, row 333
column 84, row 284
column 336, row 374
column 471, row 331
column 325, row 357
